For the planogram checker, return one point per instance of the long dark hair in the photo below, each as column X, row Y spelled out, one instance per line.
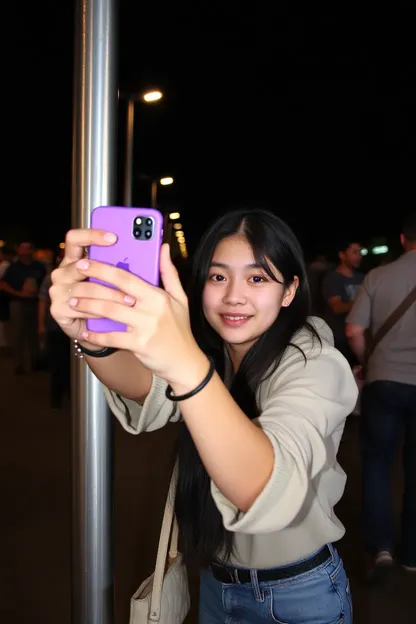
column 202, row 534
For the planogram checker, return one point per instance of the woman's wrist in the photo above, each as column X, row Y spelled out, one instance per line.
column 192, row 373
column 88, row 345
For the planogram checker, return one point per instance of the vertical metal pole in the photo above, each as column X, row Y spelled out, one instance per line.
column 128, row 171
column 94, row 177
column 154, row 194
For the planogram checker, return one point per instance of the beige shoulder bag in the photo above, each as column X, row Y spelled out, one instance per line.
column 164, row 596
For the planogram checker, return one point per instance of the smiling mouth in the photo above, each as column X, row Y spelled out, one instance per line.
column 236, row 317
column 235, row 320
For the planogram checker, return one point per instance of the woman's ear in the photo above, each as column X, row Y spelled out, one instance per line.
column 290, row 292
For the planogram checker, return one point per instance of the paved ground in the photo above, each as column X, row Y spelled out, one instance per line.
column 35, row 513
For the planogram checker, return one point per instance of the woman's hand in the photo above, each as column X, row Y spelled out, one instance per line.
column 158, row 326
column 68, row 283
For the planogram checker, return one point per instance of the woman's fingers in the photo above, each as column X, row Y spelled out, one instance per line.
column 100, row 308
column 76, row 241
column 90, row 290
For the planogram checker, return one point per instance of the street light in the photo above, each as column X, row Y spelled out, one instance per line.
column 154, row 183
column 152, row 96
column 148, row 97
column 166, row 181
column 163, row 182
column 180, row 238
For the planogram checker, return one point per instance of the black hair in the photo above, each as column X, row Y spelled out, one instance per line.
column 346, row 243
column 203, row 537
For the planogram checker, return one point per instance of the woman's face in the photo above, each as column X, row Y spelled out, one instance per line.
column 240, row 301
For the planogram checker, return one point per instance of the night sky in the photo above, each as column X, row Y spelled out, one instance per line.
column 311, row 114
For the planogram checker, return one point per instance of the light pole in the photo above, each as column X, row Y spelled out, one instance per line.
column 149, row 97
column 154, row 184
column 164, row 182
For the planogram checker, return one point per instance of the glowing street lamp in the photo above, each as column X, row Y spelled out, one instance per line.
column 164, row 182
column 149, row 97
column 152, row 96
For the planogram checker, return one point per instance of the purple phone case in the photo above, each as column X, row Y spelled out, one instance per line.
column 140, row 257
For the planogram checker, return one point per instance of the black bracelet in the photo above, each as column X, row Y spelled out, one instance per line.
column 99, row 354
column 188, row 395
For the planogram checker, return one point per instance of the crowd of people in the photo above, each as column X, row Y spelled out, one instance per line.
column 373, row 319
column 28, row 332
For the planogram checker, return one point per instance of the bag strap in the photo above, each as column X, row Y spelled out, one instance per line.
column 391, row 321
column 169, row 530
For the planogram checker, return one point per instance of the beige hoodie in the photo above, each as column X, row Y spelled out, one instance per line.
column 303, row 410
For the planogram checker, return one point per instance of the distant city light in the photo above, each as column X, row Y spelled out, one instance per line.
column 174, row 216
column 179, row 233
column 177, row 226
column 364, row 251
column 61, row 245
column 166, row 181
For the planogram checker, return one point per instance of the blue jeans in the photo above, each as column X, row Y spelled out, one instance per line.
column 320, row 596
column 388, row 413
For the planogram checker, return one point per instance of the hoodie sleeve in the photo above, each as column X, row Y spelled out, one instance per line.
column 156, row 411
column 302, row 410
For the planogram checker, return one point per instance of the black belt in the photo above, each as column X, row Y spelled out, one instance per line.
column 227, row 574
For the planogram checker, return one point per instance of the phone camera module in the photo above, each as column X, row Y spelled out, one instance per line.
column 142, row 228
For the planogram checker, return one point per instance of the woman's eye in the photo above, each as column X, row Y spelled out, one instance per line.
column 216, row 278
column 258, row 279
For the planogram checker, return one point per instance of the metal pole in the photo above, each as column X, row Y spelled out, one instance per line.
column 128, row 171
column 94, row 177
column 154, row 194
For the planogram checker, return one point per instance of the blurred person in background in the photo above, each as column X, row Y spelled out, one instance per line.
column 5, row 260
column 21, row 281
column 388, row 402
column 339, row 289
column 55, row 343
column 317, row 271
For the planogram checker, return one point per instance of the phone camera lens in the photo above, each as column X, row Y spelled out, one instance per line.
column 148, row 222
column 148, row 233
column 137, row 232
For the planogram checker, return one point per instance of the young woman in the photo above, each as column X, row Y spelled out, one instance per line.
column 263, row 396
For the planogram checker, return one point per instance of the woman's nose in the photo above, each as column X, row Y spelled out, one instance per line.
column 235, row 293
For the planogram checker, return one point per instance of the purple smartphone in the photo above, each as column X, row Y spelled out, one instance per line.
column 139, row 237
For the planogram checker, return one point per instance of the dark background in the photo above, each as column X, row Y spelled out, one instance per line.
column 307, row 109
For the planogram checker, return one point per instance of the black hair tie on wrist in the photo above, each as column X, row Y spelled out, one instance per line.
column 104, row 352
column 188, row 395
